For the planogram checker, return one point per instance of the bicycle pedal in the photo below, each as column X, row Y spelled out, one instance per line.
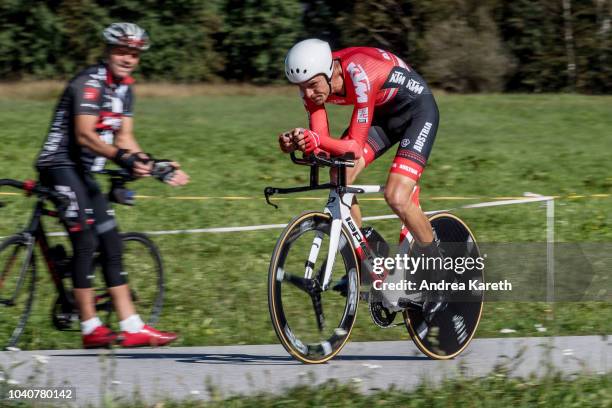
column 64, row 321
column 407, row 303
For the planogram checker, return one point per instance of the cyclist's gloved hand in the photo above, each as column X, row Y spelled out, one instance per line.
column 138, row 164
column 163, row 170
column 309, row 142
column 143, row 157
column 125, row 159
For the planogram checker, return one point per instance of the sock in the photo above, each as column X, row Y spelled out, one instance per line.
column 88, row 326
column 132, row 324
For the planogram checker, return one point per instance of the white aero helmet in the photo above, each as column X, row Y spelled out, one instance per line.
column 126, row 34
column 308, row 58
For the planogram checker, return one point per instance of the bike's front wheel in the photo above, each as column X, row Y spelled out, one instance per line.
column 452, row 328
column 312, row 322
column 17, row 278
column 142, row 264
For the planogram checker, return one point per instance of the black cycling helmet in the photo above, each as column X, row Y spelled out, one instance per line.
column 127, row 35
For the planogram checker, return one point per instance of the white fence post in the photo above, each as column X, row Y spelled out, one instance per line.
column 550, row 250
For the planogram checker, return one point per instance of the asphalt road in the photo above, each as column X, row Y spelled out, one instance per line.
column 189, row 372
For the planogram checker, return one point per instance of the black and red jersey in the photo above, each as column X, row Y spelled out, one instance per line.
column 374, row 80
column 92, row 91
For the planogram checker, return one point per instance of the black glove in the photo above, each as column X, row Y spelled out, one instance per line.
column 125, row 159
column 163, row 170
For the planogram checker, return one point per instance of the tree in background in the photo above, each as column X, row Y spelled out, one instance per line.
column 30, row 39
column 394, row 25
column 559, row 45
column 463, row 50
column 183, row 37
column 323, row 20
column 81, row 22
column 533, row 32
column 460, row 45
column 258, row 34
column 592, row 36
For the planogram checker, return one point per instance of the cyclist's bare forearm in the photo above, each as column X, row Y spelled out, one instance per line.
column 125, row 138
column 91, row 140
column 86, row 136
column 128, row 144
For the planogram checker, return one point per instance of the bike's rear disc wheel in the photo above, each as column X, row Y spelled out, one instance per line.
column 291, row 308
column 17, row 278
column 145, row 275
column 451, row 329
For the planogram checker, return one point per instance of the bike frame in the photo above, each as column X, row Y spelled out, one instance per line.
column 34, row 233
column 339, row 208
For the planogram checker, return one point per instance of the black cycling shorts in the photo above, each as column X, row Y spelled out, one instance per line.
column 414, row 127
column 90, row 223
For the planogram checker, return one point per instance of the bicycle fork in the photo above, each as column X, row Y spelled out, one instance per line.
column 333, row 208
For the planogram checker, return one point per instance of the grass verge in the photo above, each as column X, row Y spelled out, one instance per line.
column 487, row 146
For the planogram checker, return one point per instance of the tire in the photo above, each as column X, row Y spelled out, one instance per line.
column 145, row 274
column 291, row 308
column 17, row 279
column 452, row 329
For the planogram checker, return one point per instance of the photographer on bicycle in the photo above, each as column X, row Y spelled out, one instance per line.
column 392, row 104
column 92, row 123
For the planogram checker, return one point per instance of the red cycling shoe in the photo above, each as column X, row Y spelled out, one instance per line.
column 148, row 336
column 102, row 336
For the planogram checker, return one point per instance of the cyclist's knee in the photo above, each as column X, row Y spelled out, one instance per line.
column 84, row 245
column 396, row 201
column 397, row 197
column 111, row 244
column 111, row 247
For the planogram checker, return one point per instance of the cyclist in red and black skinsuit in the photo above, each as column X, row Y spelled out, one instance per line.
column 392, row 103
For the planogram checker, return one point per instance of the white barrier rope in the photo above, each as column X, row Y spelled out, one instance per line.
column 530, row 199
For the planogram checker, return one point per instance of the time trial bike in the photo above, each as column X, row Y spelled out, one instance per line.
column 323, row 264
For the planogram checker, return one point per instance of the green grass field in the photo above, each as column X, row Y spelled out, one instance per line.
column 487, row 146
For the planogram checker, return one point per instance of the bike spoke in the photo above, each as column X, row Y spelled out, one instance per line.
column 302, row 284
column 318, row 309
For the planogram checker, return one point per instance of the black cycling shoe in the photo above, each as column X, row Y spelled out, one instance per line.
column 435, row 302
column 342, row 286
